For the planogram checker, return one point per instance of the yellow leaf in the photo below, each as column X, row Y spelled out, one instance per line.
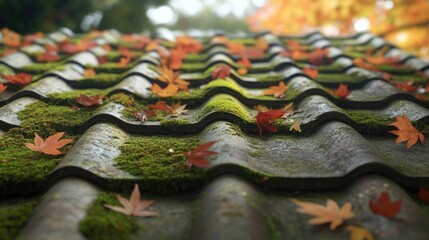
column 296, row 125
column 359, row 233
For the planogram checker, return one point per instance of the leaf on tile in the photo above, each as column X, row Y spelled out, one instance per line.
column 50, row 146
column 168, row 91
column 221, row 72
column 2, row 88
column 342, row 91
column 178, row 109
column 261, row 44
column 88, row 101
column 21, row 79
column 135, row 206
column 89, row 72
column 197, row 157
column 319, row 57
column 277, row 91
column 360, row 62
column 311, row 72
column 265, row 120
column 424, row 194
column 331, row 213
column 407, row 86
column 48, row 57
column 296, row 126
column 384, row 206
column 161, row 106
column 123, row 61
column 406, row 131
column 359, row 233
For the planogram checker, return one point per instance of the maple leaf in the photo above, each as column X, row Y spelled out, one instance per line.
column 167, row 75
column 311, row 72
column 197, row 157
column 178, row 109
column 236, row 48
column 123, row 62
column 319, row 57
column 173, row 60
column 161, row 106
column 11, row 38
column 295, row 46
column 2, row 88
column 87, row 101
column 125, row 52
column 360, row 62
column 188, row 44
column 359, row 233
column 424, row 194
column 18, row 79
column 254, row 53
column 242, row 71
column 72, row 48
column 50, row 146
column 342, row 91
column 265, row 120
column 296, row 125
column 261, row 44
column 168, row 91
column 221, row 71
column 277, row 91
column 406, row 86
column 89, row 72
column 135, row 206
column 48, row 57
column 384, row 206
column 406, row 131
column 244, row 61
column 331, row 213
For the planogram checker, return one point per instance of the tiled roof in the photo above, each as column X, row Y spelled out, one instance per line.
column 344, row 152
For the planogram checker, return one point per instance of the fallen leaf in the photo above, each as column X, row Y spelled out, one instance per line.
column 406, row 131
column 424, row 194
column 342, row 91
column 168, row 76
column 311, row 72
column 173, row 60
column 198, row 156
column 236, row 48
column 319, row 57
column 168, row 91
column 295, row 46
column 261, row 108
column 89, row 72
column 261, row 44
column 360, row 62
column 11, row 38
column 406, row 86
column 359, row 233
column 178, row 109
column 135, row 206
column 48, row 57
column 254, row 53
column 221, row 72
column 161, row 106
column 296, row 125
column 188, row 44
column 123, row 62
column 384, row 206
column 125, row 52
column 331, row 213
column 265, row 120
column 88, row 101
column 50, row 146
column 244, row 61
column 2, row 88
column 277, row 91
column 18, row 79
column 242, row 71
column 102, row 59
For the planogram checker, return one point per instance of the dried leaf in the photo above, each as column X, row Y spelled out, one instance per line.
column 384, row 206
column 261, row 108
column 360, row 62
column 331, row 213
column 161, row 106
column 123, row 62
column 406, row 131
column 406, row 86
column 198, row 156
column 135, row 206
column 178, row 109
column 18, row 79
column 87, row 101
column 89, row 72
column 254, row 53
column 277, row 91
column 319, row 57
column 424, row 194
column 50, row 146
column 342, row 91
column 168, row 76
column 188, row 44
column 221, row 72
column 236, row 48
column 168, row 91
column 359, row 233
column 296, row 125
column 125, row 52
column 261, row 44
column 48, row 57
column 242, row 71
column 311, row 72
column 265, row 120
column 295, row 46
column 2, row 88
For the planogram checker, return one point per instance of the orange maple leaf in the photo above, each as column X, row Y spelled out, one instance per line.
column 48, row 57
column 89, row 72
column 406, row 86
column 296, row 125
column 2, row 88
column 295, row 46
column 261, row 44
column 50, row 146
column 406, row 131
column 168, row 91
column 188, row 44
column 360, row 62
column 244, row 61
column 319, row 57
column 88, row 101
column 359, row 233
column 167, row 75
column 135, row 206
column 18, row 79
column 221, row 71
column 342, row 91
column 331, row 213
column 123, row 61
column 311, row 72
column 236, row 48
column 198, row 156
column 173, row 60
column 125, row 52
column 277, row 91
column 11, row 38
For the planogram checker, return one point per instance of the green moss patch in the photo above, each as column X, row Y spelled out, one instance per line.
column 373, row 123
column 193, row 58
column 227, row 104
column 162, row 171
column 69, row 98
column 6, row 70
column 21, row 167
column 395, row 69
column 103, row 224
column 14, row 215
column 418, row 80
column 39, row 68
column 340, row 78
column 102, row 80
column 267, row 77
column 112, row 67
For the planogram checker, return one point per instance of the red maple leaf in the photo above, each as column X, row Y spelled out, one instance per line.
column 2, row 87
column 18, row 79
column 198, row 156
column 424, row 194
column 125, row 52
column 50, row 146
column 311, row 72
column 161, row 106
column 87, row 101
column 406, row 86
column 48, row 57
column 384, row 206
column 265, row 120
column 221, row 71
column 342, row 91
column 102, row 59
